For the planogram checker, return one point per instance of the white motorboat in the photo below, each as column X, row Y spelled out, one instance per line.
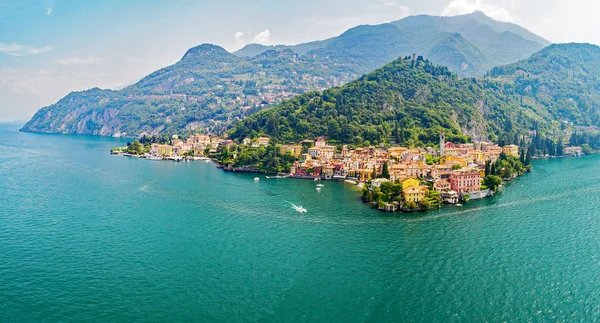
column 299, row 209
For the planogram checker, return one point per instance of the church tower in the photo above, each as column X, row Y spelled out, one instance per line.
column 442, row 143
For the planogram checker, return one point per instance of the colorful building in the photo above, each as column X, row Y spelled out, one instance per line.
column 465, row 181
column 413, row 194
column 511, row 150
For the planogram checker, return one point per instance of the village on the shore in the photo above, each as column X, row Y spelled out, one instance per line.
column 393, row 178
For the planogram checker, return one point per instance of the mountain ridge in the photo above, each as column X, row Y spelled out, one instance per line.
column 210, row 88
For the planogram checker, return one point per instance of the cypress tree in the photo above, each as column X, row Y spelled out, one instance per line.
column 522, row 157
column 559, row 147
column 385, row 173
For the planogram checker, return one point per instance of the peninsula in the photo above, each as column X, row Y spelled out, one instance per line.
column 393, row 178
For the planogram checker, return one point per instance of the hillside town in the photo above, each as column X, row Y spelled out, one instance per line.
column 425, row 175
column 393, row 178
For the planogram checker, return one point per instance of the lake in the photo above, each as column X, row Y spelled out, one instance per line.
column 86, row 236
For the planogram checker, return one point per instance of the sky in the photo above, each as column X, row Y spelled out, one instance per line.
column 49, row 48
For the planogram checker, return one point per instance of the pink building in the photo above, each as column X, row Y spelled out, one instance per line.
column 462, row 182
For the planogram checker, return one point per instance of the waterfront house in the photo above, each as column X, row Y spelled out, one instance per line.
column 572, row 151
column 164, row 150
column 413, row 194
column 441, row 185
column 465, row 181
column 450, row 197
column 411, row 182
column 511, row 150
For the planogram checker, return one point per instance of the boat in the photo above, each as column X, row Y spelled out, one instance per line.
column 154, row 158
column 320, row 185
column 299, row 208
column 316, row 179
column 318, row 189
column 207, row 160
column 256, row 179
column 458, row 205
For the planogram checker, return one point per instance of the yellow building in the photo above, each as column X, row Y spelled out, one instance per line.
column 511, row 150
column 411, row 182
column 413, row 194
column 164, row 150
column 455, row 161
column 365, row 174
column 295, row 150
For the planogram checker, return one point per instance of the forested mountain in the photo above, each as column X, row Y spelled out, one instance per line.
column 207, row 89
column 210, row 88
column 407, row 101
column 561, row 81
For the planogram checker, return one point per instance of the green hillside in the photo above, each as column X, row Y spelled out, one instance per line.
column 562, row 81
column 407, row 101
column 206, row 90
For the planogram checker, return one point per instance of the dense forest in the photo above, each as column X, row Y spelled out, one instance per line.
column 408, row 101
column 562, row 81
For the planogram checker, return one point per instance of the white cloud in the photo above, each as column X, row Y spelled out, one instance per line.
column 49, row 11
column 238, row 36
column 263, row 37
column 78, row 60
column 22, row 50
column 461, row 7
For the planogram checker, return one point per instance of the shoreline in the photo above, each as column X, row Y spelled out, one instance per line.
column 387, row 207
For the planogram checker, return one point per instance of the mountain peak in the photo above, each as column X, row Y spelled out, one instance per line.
column 478, row 13
column 205, row 50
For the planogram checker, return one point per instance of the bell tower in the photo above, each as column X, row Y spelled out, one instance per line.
column 442, row 143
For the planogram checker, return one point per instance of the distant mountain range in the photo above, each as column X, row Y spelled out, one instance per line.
column 209, row 88
column 469, row 45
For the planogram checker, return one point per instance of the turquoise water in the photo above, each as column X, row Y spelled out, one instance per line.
column 86, row 236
